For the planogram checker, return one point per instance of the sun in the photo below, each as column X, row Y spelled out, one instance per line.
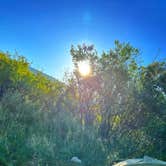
column 84, row 68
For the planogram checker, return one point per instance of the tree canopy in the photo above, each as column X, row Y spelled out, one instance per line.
column 116, row 112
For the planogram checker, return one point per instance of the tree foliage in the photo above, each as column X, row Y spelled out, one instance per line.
column 116, row 112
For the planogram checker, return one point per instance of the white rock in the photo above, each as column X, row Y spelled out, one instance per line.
column 76, row 160
column 141, row 161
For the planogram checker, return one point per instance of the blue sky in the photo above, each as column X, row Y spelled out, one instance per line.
column 43, row 30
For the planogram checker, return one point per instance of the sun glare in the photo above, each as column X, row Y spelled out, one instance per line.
column 84, row 68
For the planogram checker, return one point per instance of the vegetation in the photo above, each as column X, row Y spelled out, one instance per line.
column 116, row 112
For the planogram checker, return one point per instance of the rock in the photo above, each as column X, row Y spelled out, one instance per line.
column 142, row 162
column 76, row 160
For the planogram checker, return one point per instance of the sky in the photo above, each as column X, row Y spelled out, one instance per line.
column 44, row 30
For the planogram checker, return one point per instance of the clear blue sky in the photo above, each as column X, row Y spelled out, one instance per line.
column 43, row 30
